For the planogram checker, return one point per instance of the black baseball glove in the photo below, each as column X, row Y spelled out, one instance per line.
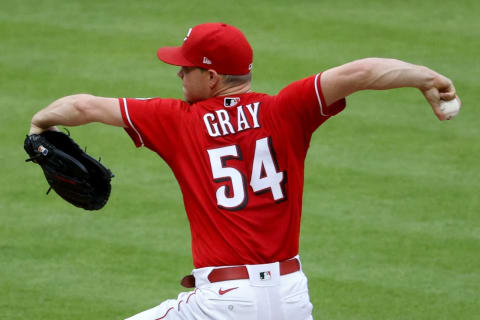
column 72, row 173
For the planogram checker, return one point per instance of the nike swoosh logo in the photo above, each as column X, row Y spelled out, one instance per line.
column 222, row 292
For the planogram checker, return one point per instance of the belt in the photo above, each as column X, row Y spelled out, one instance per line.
column 239, row 273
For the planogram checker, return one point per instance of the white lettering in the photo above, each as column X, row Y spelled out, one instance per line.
column 224, row 121
column 242, row 123
column 212, row 127
column 219, row 123
column 254, row 113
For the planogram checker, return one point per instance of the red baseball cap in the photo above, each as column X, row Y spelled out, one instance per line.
column 216, row 46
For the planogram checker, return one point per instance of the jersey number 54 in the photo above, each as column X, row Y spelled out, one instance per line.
column 265, row 175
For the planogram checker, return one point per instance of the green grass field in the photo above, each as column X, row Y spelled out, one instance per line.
column 391, row 224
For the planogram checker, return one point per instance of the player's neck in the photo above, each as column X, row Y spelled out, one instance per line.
column 233, row 90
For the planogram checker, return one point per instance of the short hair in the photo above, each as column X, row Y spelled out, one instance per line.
column 236, row 79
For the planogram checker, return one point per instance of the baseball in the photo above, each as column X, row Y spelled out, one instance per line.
column 450, row 108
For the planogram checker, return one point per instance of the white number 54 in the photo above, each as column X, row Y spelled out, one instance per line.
column 265, row 174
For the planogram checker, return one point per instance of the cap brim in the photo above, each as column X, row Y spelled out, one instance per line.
column 174, row 56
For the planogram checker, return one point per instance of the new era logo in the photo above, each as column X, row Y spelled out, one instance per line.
column 206, row 60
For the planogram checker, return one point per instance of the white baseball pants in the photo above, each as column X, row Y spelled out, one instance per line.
column 265, row 296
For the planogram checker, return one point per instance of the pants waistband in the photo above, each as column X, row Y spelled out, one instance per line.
column 240, row 273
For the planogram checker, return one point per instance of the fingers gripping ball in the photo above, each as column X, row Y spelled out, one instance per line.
column 72, row 173
column 450, row 108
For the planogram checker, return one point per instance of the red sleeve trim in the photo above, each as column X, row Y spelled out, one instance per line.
column 325, row 110
column 130, row 129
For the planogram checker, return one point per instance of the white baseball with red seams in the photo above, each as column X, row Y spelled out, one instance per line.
column 450, row 109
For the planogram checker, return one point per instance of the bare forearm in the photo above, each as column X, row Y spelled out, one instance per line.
column 383, row 74
column 63, row 111
column 76, row 110
column 374, row 74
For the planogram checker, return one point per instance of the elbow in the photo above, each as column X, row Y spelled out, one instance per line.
column 83, row 106
column 37, row 120
column 363, row 73
column 357, row 75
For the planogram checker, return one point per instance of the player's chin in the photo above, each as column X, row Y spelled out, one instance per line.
column 192, row 96
column 190, row 99
column 186, row 96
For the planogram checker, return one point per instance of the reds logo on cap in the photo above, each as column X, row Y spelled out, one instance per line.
column 216, row 46
column 188, row 34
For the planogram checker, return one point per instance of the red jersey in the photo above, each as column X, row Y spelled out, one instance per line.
column 239, row 161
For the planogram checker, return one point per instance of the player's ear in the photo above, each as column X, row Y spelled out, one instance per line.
column 213, row 78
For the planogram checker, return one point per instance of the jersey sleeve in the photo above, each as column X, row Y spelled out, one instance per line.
column 153, row 123
column 303, row 101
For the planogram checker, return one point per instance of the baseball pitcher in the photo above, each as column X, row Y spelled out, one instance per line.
column 238, row 156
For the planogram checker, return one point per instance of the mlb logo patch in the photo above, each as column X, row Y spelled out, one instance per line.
column 266, row 275
column 230, row 102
